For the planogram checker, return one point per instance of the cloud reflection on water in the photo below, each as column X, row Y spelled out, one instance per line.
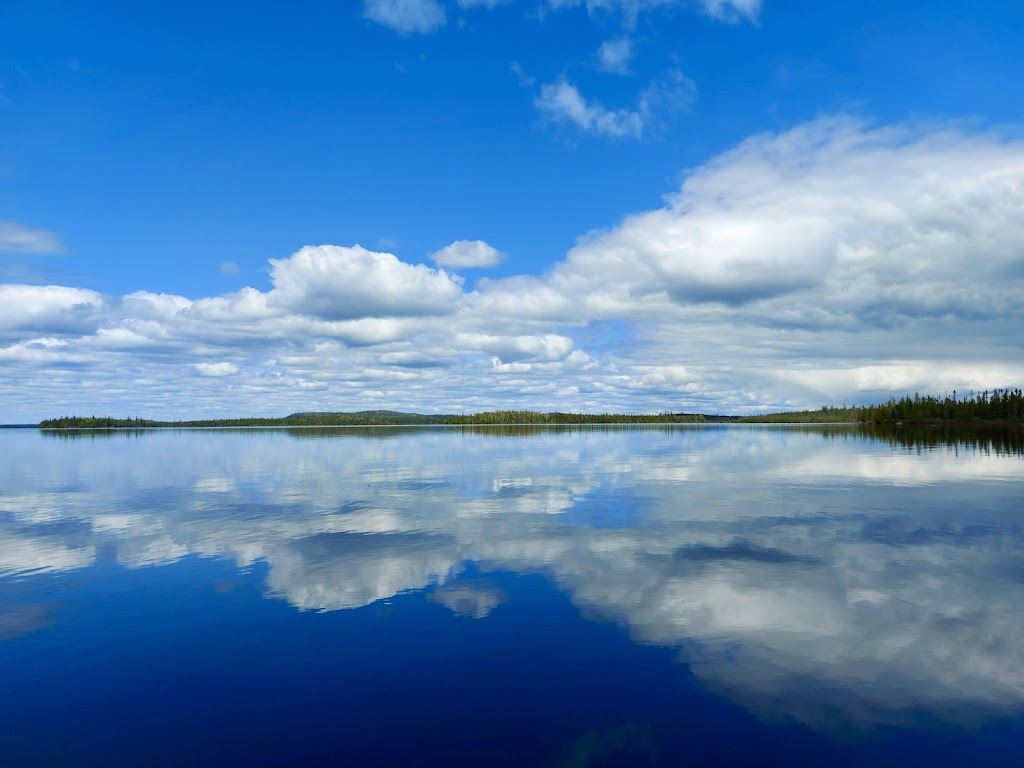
column 824, row 580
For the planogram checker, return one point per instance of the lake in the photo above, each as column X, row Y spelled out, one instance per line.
column 658, row 595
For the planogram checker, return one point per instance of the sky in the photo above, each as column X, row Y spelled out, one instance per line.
column 446, row 206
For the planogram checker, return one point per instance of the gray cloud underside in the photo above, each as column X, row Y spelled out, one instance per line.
column 830, row 262
column 816, row 604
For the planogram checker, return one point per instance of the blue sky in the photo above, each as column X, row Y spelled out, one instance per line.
column 646, row 205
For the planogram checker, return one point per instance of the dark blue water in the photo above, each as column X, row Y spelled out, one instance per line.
column 579, row 597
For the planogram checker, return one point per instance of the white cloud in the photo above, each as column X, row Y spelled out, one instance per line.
column 247, row 304
column 463, row 254
column 17, row 238
column 879, row 224
column 143, row 304
column 228, row 268
column 215, row 370
column 44, row 308
column 41, row 352
column 481, row 3
column 614, row 55
column 406, row 16
column 562, row 102
column 529, row 299
column 337, row 283
column 366, row 330
column 514, row 348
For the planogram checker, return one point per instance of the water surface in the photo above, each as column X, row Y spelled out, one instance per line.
column 684, row 595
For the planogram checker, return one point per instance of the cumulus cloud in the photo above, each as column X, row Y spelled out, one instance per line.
column 339, row 283
column 46, row 308
column 875, row 223
column 17, row 238
column 406, row 16
column 463, row 254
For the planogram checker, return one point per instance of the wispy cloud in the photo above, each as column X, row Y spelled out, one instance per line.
column 732, row 10
column 481, row 3
column 425, row 16
column 729, row 11
column 561, row 101
column 406, row 16
column 614, row 55
column 524, row 79
column 18, row 238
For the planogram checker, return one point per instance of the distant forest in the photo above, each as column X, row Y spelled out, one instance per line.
column 387, row 418
column 999, row 405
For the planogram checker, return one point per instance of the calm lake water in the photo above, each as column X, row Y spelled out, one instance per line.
column 680, row 596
